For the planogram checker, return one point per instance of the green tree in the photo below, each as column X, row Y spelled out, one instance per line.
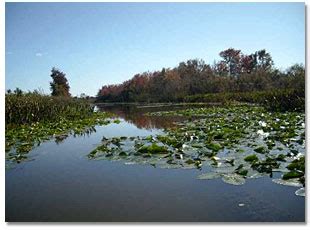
column 59, row 85
column 18, row 91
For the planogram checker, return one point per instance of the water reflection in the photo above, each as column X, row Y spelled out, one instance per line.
column 135, row 114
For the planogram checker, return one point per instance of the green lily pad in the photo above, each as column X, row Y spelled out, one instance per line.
column 261, row 149
column 292, row 174
column 214, row 146
column 251, row 158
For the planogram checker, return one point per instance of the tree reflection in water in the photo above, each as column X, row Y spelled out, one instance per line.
column 136, row 114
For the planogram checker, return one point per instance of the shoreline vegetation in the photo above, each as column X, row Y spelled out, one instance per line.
column 31, row 119
column 237, row 77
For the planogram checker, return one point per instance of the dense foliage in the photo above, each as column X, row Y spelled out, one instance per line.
column 277, row 99
column 26, row 108
column 236, row 73
column 32, row 118
column 59, row 85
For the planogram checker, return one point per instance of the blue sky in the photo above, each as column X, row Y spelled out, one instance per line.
column 106, row 43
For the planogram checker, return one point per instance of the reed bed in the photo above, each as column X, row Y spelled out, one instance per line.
column 30, row 108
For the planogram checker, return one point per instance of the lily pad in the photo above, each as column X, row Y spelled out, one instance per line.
column 290, row 182
column 209, row 176
column 300, row 192
column 233, row 179
column 251, row 158
column 261, row 149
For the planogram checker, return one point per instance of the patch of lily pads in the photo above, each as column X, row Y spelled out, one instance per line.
column 232, row 143
column 20, row 140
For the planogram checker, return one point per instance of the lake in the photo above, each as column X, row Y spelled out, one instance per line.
column 60, row 182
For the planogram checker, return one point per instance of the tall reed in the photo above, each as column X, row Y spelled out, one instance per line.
column 29, row 108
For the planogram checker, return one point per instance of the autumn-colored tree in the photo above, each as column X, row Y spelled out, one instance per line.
column 59, row 86
column 237, row 72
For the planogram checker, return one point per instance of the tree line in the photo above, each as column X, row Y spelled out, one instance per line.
column 235, row 72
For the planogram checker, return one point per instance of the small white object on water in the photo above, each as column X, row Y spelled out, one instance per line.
column 299, row 155
column 262, row 133
column 241, row 205
column 300, row 192
column 262, row 123
column 216, row 158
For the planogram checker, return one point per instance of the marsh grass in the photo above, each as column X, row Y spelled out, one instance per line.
column 33, row 118
column 30, row 108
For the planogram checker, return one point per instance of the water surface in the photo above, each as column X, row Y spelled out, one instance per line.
column 60, row 183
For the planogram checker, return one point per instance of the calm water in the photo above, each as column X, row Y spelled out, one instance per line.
column 61, row 184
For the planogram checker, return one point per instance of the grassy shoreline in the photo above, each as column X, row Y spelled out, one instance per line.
column 32, row 119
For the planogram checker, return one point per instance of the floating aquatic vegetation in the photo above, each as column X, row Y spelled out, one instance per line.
column 223, row 140
column 292, row 174
column 21, row 139
column 153, row 149
column 297, row 170
column 251, row 158
column 233, row 179
column 266, row 166
column 261, row 149
column 289, row 182
column 209, row 176
column 300, row 192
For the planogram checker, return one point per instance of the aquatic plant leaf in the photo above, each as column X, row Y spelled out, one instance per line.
column 300, row 192
column 209, row 176
column 292, row 174
column 224, row 170
column 214, row 146
column 233, row 179
column 251, row 158
column 261, row 149
column 290, row 182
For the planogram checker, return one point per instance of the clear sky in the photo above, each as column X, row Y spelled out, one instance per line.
column 106, row 43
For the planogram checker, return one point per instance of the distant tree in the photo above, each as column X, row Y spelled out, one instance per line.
column 18, row 91
column 83, row 95
column 9, row 91
column 236, row 72
column 264, row 60
column 248, row 63
column 296, row 76
column 59, row 85
column 232, row 58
